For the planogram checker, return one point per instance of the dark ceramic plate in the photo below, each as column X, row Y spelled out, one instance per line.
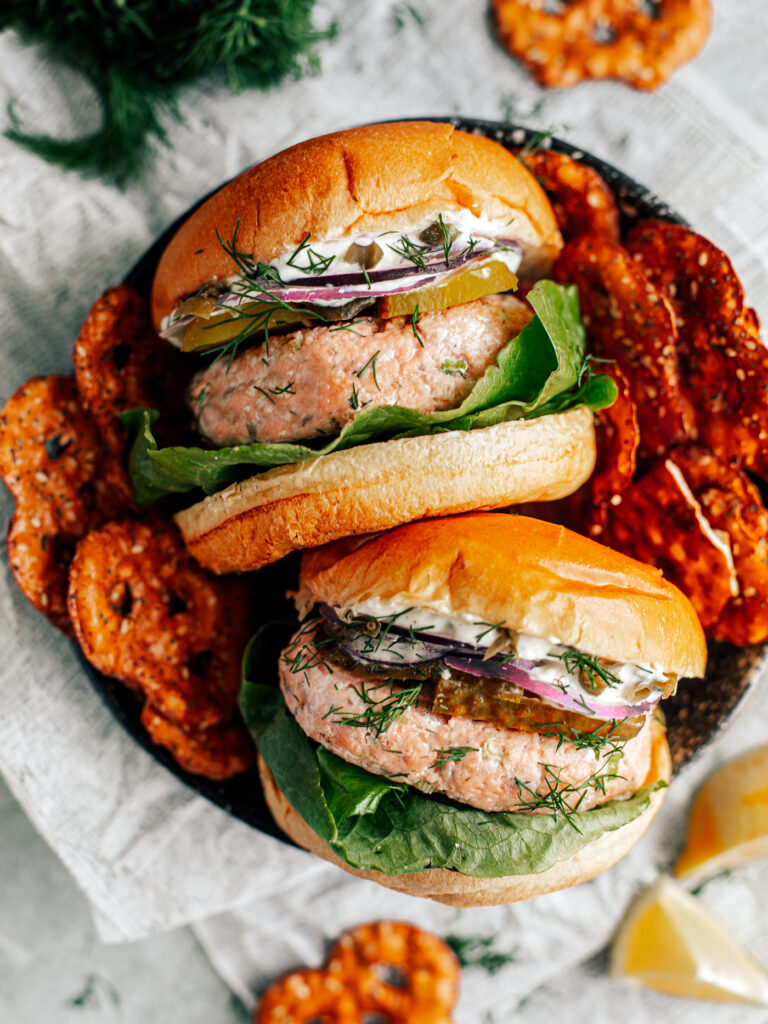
column 695, row 715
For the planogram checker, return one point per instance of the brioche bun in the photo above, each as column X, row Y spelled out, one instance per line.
column 460, row 890
column 535, row 577
column 377, row 486
column 376, row 177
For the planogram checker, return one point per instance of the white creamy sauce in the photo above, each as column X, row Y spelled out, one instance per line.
column 719, row 538
column 544, row 652
column 468, row 226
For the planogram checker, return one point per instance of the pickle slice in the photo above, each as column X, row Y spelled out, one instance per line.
column 504, row 703
column 203, row 334
column 472, row 283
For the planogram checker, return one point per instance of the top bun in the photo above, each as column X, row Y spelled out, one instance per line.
column 535, row 577
column 377, row 177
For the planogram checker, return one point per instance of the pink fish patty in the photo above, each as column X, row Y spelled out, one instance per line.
column 416, row 748
column 313, row 381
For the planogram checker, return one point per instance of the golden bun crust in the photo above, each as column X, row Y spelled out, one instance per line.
column 535, row 577
column 376, row 177
column 377, row 486
column 459, row 890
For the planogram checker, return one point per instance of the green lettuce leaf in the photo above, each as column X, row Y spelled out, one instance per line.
column 373, row 822
column 539, row 371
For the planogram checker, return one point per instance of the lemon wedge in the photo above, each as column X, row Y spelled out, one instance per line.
column 729, row 818
column 205, row 333
column 472, row 283
column 669, row 942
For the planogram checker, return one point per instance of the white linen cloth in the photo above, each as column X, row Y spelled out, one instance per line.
column 149, row 853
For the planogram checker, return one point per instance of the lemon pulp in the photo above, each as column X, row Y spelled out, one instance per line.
column 669, row 942
column 729, row 818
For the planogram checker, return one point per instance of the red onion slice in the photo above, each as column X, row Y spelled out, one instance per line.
column 581, row 704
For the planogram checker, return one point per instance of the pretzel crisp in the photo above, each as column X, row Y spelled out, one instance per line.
column 50, row 454
column 583, row 203
column 147, row 614
column 641, row 42
column 702, row 522
column 387, row 971
column 120, row 364
column 724, row 361
column 630, row 321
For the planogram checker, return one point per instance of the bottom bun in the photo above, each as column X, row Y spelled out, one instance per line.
column 459, row 890
column 377, row 486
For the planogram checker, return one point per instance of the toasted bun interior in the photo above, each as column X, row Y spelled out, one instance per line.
column 463, row 891
column 535, row 577
column 381, row 485
column 373, row 178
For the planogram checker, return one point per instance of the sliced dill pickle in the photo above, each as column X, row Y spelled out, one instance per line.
column 204, row 334
column 472, row 283
column 501, row 702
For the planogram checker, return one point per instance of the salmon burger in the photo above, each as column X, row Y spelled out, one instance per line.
column 358, row 358
column 472, row 713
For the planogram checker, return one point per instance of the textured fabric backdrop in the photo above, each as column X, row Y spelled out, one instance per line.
column 148, row 853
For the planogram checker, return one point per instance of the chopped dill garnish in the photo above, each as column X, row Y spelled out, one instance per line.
column 380, row 713
column 354, row 399
column 491, row 626
column 474, row 951
column 451, row 754
column 559, row 795
column 269, row 392
column 372, row 363
column 588, row 669
column 448, row 235
column 414, row 322
column 412, row 251
column 316, row 264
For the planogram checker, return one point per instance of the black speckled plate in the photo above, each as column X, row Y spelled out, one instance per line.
column 697, row 713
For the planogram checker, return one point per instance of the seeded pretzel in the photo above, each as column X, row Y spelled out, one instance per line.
column 641, row 42
column 583, row 203
column 121, row 364
column 388, row 971
column 629, row 320
column 147, row 614
column 724, row 362
column 50, row 454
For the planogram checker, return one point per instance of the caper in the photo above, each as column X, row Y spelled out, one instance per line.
column 439, row 234
column 366, row 256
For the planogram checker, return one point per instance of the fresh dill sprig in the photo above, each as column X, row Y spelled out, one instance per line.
column 138, row 56
column 411, row 251
column 448, row 235
column 315, row 263
column 354, row 399
column 372, row 363
column 451, row 754
column 379, row 713
column 588, row 670
column 604, row 739
column 269, row 392
column 538, row 138
column 474, row 951
column 490, row 628
column 414, row 322
column 561, row 798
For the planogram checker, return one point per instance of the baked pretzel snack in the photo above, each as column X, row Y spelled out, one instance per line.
column 629, row 320
column 119, row 366
column 702, row 522
column 582, row 201
column 389, row 971
column 50, row 455
column 724, row 362
column 639, row 42
column 145, row 613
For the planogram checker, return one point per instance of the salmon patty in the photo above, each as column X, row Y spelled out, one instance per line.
column 312, row 382
column 501, row 770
